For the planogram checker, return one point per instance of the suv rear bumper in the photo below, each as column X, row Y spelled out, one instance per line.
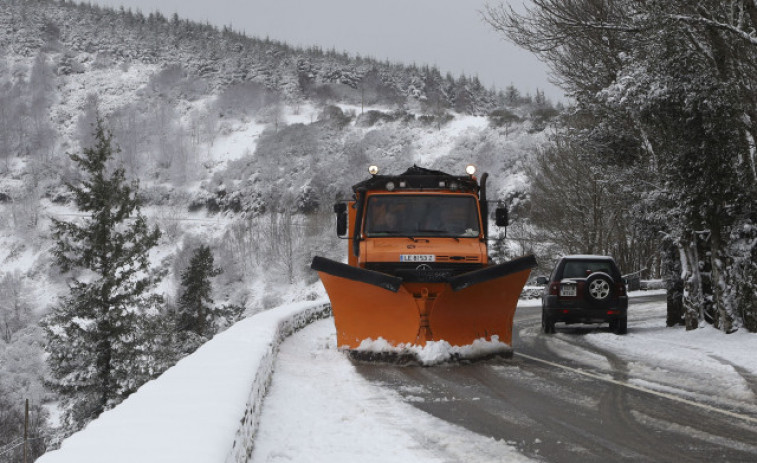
column 567, row 311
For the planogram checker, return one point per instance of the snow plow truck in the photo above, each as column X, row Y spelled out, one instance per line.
column 418, row 266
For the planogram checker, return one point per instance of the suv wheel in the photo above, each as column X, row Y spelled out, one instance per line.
column 599, row 288
column 547, row 324
column 621, row 326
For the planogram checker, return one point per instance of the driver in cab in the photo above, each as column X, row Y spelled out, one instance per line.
column 384, row 220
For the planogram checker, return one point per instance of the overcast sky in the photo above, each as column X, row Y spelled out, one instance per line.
column 446, row 33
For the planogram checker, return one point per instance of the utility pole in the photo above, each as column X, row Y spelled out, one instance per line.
column 26, row 428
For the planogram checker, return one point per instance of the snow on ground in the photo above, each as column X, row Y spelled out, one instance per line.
column 113, row 88
column 319, row 409
column 239, row 143
column 304, row 113
column 435, row 143
column 704, row 362
column 241, row 138
column 705, row 365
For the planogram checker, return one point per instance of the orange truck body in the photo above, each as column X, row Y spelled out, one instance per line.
column 412, row 285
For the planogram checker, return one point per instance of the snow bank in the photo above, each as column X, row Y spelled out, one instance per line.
column 204, row 409
column 704, row 363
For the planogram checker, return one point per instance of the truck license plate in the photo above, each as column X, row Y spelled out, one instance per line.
column 417, row 258
column 568, row 290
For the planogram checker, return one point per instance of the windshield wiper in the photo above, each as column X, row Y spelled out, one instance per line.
column 395, row 233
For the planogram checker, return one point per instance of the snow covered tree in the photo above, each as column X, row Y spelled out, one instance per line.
column 196, row 312
column 22, row 378
column 96, row 334
column 15, row 310
column 574, row 199
column 680, row 74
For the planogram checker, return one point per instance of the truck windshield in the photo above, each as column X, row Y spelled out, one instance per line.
column 422, row 215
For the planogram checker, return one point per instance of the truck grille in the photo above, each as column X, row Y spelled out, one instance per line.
column 432, row 272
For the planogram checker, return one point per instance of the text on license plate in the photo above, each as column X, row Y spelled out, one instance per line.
column 417, row 258
column 568, row 290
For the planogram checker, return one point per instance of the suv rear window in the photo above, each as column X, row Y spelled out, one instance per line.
column 582, row 268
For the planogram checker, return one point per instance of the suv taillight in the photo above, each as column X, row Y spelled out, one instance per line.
column 554, row 288
column 621, row 289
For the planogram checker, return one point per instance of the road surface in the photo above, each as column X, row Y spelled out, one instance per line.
column 558, row 410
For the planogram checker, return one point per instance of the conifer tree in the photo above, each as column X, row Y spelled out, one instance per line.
column 96, row 333
column 196, row 311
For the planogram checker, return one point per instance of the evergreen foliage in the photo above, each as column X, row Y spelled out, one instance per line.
column 196, row 312
column 97, row 356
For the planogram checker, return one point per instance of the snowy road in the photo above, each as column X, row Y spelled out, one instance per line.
column 564, row 398
column 583, row 394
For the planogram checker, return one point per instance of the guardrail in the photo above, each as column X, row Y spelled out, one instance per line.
column 244, row 440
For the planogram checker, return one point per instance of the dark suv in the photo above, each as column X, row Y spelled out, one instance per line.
column 584, row 289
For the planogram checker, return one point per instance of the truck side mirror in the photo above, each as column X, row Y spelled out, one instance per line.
column 341, row 218
column 541, row 280
column 500, row 217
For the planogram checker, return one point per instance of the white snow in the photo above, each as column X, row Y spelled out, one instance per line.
column 239, row 143
column 320, row 410
column 704, row 363
column 112, row 87
column 437, row 352
column 435, row 143
column 240, row 138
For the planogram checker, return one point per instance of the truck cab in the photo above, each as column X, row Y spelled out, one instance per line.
column 423, row 225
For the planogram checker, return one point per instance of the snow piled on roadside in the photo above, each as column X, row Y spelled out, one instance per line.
column 704, row 363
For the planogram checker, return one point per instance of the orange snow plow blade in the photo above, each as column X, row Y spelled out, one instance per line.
column 372, row 305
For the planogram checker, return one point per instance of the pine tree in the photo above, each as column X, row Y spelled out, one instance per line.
column 95, row 334
column 196, row 311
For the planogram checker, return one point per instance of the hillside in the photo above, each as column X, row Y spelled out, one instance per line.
column 82, row 37
column 238, row 143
